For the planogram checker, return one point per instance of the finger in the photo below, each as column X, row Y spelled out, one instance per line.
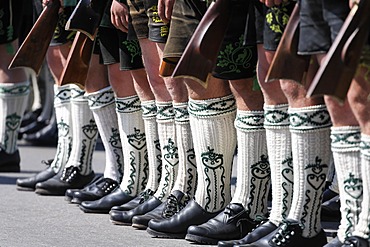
column 161, row 11
column 270, row 3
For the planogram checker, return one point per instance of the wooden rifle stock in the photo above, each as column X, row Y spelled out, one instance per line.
column 200, row 55
column 78, row 61
column 287, row 64
column 86, row 17
column 335, row 75
column 31, row 53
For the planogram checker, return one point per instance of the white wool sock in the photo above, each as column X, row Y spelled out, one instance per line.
column 132, row 130
column 362, row 229
column 310, row 128
column 149, row 111
column 13, row 103
column 169, row 150
column 102, row 104
column 253, row 178
column 214, row 137
column 187, row 170
column 279, row 146
column 62, row 105
column 84, row 130
column 346, row 153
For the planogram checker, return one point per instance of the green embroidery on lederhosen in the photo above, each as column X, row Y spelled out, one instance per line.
column 133, row 48
column 277, row 18
column 235, row 57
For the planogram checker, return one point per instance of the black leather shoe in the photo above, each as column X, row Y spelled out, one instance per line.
column 355, row 241
column 289, row 234
column 260, row 231
column 125, row 217
column 232, row 223
column 141, row 198
column 330, row 210
column 104, row 204
column 175, row 202
column 10, row 162
column 28, row 184
column 97, row 190
column 70, row 178
column 334, row 243
column 70, row 192
column 177, row 225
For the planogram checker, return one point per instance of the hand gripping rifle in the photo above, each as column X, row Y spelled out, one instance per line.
column 287, row 64
column 86, row 17
column 200, row 55
column 78, row 61
column 335, row 75
column 32, row 52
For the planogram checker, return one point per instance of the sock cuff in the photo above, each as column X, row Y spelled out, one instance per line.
column 14, row 89
column 276, row 115
column 249, row 120
column 62, row 94
column 101, row 98
column 212, row 107
column 345, row 139
column 165, row 112
column 365, row 146
column 149, row 109
column 181, row 112
column 128, row 104
column 311, row 118
column 77, row 94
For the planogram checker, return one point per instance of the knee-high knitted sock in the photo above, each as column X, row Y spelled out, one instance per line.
column 169, row 150
column 62, row 105
column 84, row 132
column 187, row 170
column 132, row 130
column 346, row 153
column 149, row 110
column 13, row 100
column 310, row 128
column 253, row 179
column 214, row 137
column 102, row 104
column 279, row 147
column 362, row 229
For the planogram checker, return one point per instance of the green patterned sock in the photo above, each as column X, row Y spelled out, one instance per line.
column 13, row 100
column 346, row 153
column 362, row 229
column 214, row 137
column 149, row 110
column 132, row 130
column 187, row 171
column 310, row 129
column 169, row 150
column 253, row 178
column 84, row 130
column 279, row 146
column 102, row 105
column 62, row 105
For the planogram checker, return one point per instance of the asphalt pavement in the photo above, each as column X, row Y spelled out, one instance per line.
column 31, row 220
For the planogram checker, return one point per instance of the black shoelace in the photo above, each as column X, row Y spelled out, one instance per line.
column 145, row 195
column 173, row 206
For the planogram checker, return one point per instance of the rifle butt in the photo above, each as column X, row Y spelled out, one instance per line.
column 78, row 62
column 31, row 53
column 338, row 68
column 200, row 55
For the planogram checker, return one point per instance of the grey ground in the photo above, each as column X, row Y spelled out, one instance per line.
column 29, row 220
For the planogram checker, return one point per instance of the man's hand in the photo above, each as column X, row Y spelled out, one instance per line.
column 353, row 3
column 165, row 9
column 119, row 16
column 271, row 3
